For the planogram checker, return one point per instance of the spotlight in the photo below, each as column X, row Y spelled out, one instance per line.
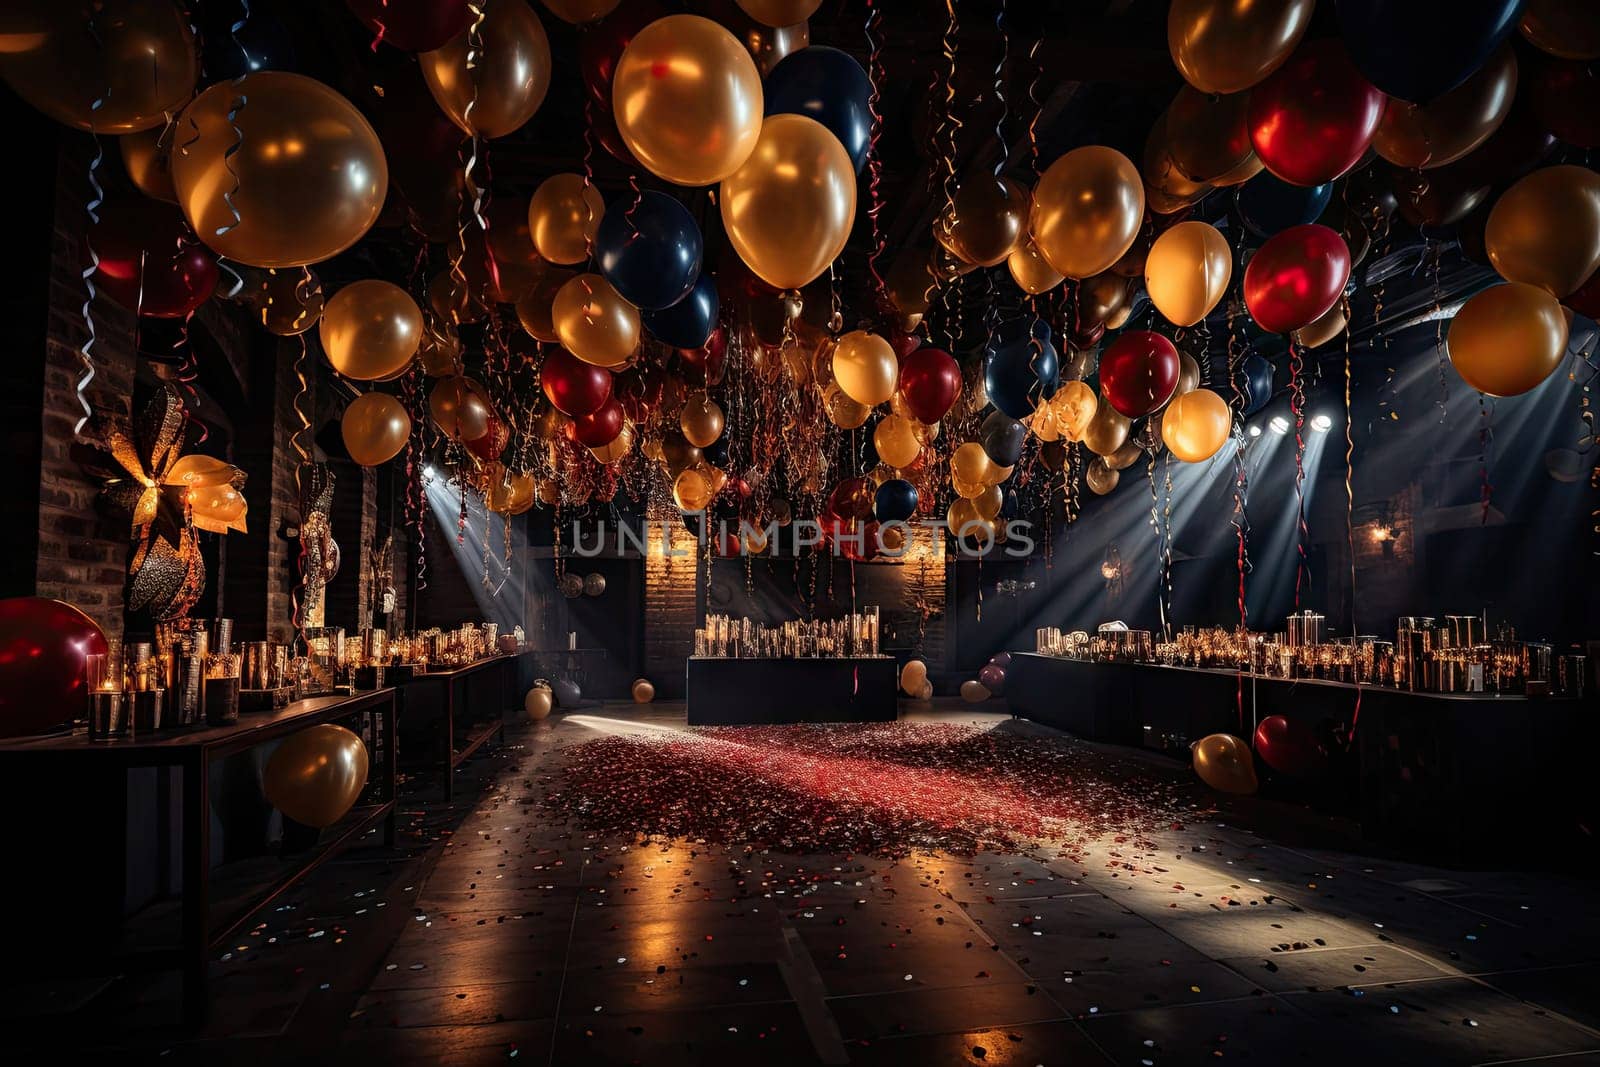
column 428, row 471
column 1279, row 425
column 1321, row 423
column 1255, row 431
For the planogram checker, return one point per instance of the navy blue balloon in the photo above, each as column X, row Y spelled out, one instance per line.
column 1009, row 505
column 716, row 453
column 1268, row 204
column 895, row 501
column 1020, row 366
column 1420, row 49
column 651, row 254
column 827, row 85
column 260, row 43
column 1255, row 383
column 690, row 322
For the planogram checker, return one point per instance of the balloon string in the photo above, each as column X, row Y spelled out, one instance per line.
column 1038, row 106
column 377, row 38
column 236, row 287
column 875, row 73
column 297, row 595
column 950, row 126
column 1240, row 518
column 236, row 104
column 85, row 350
column 188, row 372
column 1485, row 444
column 1000, row 87
column 1155, row 524
column 1350, row 512
column 1297, row 407
column 471, row 187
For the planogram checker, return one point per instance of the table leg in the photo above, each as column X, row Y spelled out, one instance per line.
column 449, row 740
column 196, row 887
column 391, row 744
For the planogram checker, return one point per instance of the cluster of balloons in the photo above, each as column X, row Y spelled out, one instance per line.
column 1288, row 746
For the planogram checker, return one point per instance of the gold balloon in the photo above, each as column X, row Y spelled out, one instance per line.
column 911, row 284
column 971, row 464
column 1188, row 375
column 564, row 216
column 293, row 176
column 896, row 441
column 769, row 45
column 508, row 75
column 687, row 99
column 535, row 310
column 580, row 11
column 287, row 302
column 512, row 260
column 512, row 494
column 1073, row 408
column 1188, row 271
column 1508, row 339
column 1196, row 425
column 1242, row 173
column 1029, row 270
column 459, row 408
column 1100, row 298
column 316, row 775
column 1226, row 46
column 455, row 299
column 1086, row 210
column 643, row 691
column 1563, row 28
column 615, row 449
column 370, row 329
column 692, row 491
column 1225, row 763
column 1206, row 136
column 989, row 502
column 865, row 367
column 989, row 218
column 789, row 208
column 1443, row 130
column 1107, row 430
column 594, row 322
column 375, row 428
column 753, row 539
column 779, row 12
column 844, row 412
column 702, row 420
column 116, row 66
column 147, row 157
column 1166, row 189
column 539, row 702
column 964, row 520
column 440, row 351
column 1100, row 478
column 1325, row 329
column 1545, row 230
column 1125, row 456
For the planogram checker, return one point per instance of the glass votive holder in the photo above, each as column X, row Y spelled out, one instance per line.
column 222, row 689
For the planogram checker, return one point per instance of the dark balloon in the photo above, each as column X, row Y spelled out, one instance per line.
column 1002, row 438
column 640, row 389
column 689, row 322
column 261, row 43
column 1053, row 454
column 852, row 498
column 149, row 260
column 1139, row 372
column 600, row 45
column 600, row 427
column 1313, row 119
column 993, row 678
column 576, row 388
column 895, row 501
column 1020, row 366
column 1254, row 382
column 706, row 364
column 1290, row 746
column 1268, row 204
column 1421, row 49
column 650, row 253
column 1437, row 197
column 1296, row 277
column 829, row 86
column 930, row 380
column 42, row 648
column 413, row 25
column 1565, row 95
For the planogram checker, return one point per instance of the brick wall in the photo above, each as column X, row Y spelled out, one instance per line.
column 671, row 598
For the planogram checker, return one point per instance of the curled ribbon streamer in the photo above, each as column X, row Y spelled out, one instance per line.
column 874, row 160
column 950, row 126
column 1297, row 407
column 188, row 371
column 1000, row 87
column 1038, row 106
column 85, row 350
column 377, row 38
column 297, row 597
column 471, row 186
column 235, row 105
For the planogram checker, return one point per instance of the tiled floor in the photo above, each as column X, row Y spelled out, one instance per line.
column 520, row 938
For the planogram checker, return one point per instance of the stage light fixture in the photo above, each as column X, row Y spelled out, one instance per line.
column 1279, row 425
column 1321, row 423
column 1255, row 431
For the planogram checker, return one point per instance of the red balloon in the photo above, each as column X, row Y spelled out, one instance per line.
column 1296, row 277
column 1086, row 335
column 573, row 386
column 1565, row 95
column 993, row 678
column 903, row 343
column 708, row 363
column 150, row 261
column 413, row 25
column 1139, row 372
column 1313, row 119
column 610, row 138
column 1290, row 746
column 600, row 45
column 599, row 427
column 852, row 498
column 43, row 643
column 930, row 380
column 494, row 440
column 640, row 389
column 1586, row 301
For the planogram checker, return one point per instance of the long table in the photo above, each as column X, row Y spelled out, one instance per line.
column 75, row 758
column 725, row 692
column 462, row 708
column 1456, row 772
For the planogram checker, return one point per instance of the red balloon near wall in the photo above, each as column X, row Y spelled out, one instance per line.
column 573, row 386
column 149, row 260
column 930, row 380
column 1290, row 746
column 1296, row 277
column 1313, row 119
column 43, row 643
column 599, row 427
column 1139, row 372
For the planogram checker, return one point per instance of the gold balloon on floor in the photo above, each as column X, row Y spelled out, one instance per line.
column 1086, row 210
column 789, row 207
column 643, row 691
column 116, row 66
column 293, row 177
column 1226, row 46
column 594, row 322
column 316, row 775
column 779, row 12
column 1225, row 763
column 1188, row 271
column 974, row 692
column 1099, row 477
column 370, row 329
column 865, row 367
column 687, row 99
column 539, row 702
column 702, row 420
column 896, row 440
column 1545, row 230
column 375, row 427
column 989, row 218
column 1196, row 425
column 1508, row 339
column 564, row 216
column 506, row 79
column 1029, row 269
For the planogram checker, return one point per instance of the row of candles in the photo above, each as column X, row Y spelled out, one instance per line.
column 853, row 636
column 193, row 673
column 1454, row 657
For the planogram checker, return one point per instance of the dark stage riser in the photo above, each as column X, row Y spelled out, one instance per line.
column 728, row 692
